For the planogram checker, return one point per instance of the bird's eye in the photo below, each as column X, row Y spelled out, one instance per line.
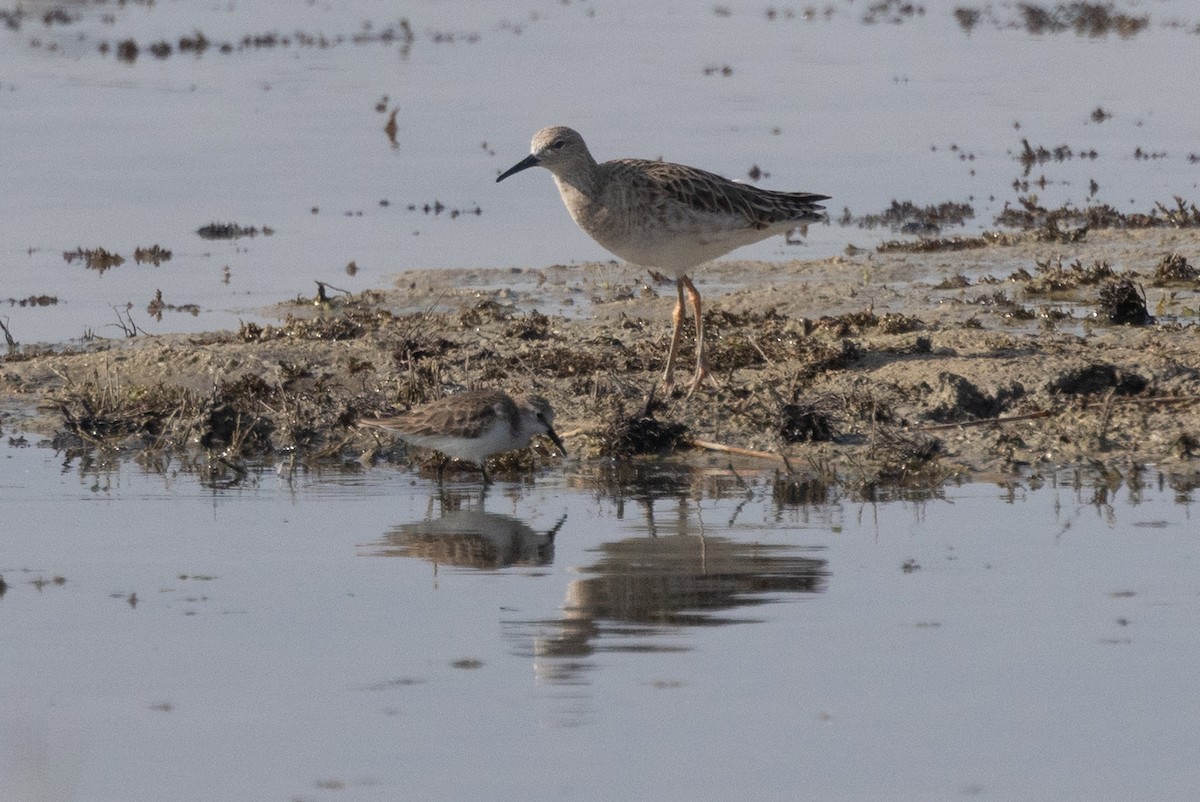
column 557, row 144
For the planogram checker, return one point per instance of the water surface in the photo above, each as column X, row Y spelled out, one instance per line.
column 286, row 131
column 361, row 636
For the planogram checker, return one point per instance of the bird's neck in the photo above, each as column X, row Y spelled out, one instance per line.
column 578, row 183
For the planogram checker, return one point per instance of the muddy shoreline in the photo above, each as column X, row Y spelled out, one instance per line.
column 879, row 367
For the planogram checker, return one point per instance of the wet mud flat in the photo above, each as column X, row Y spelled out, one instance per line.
column 902, row 366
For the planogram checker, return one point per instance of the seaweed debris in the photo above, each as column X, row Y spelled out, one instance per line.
column 1123, row 303
column 94, row 258
column 231, row 231
column 1030, row 214
column 1053, row 277
column 909, row 218
column 1174, row 268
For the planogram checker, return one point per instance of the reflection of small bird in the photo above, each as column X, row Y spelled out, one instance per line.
column 471, row 538
column 474, row 425
column 669, row 216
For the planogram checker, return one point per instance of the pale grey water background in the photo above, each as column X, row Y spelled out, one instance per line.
column 684, row 643
column 101, row 152
column 1045, row 648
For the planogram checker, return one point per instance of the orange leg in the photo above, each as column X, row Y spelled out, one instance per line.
column 701, row 353
column 676, row 335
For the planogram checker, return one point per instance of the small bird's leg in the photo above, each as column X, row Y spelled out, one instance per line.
column 701, row 351
column 676, row 336
column 487, row 483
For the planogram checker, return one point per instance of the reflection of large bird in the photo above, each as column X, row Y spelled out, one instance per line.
column 642, row 586
column 471, row 539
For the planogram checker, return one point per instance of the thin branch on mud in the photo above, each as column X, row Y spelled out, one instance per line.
column 127, row 325
column 766, row 359
column 322, row 298
column 742, row 452
column 8, row 338
column 938, row 427
column 1046, row 413
column 572, row 433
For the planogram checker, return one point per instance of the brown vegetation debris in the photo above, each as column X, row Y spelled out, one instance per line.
column 106, row 413
column 305, row 414
column 967, row 18
column 157, row 306
column 818, row 357
column 1184, row 215
column 196, row 43
column 908, row 218
column 486, row 311
column 892, row 12
column 1096, row 378
column 1053, row 278
column 1032, row 215
column 349, row 322
column 957, row 399
column 903, row 460
column 437, row 208
column 533, row 326
column 231, row 231
column 1122, row 302
column 945, row 244
column 1029, row 156
column 956, row 282
column 849, row 323
column 624, row 435
column 1086, row 19
column 127, row 50
column 809, row 420
column 155, row 255
column 1174, row 268
column 898, row 323
column 34, row 300
column 563, row 361
column 94, row 258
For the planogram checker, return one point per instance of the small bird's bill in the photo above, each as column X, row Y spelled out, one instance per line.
column 553, row 435
column 524, row 164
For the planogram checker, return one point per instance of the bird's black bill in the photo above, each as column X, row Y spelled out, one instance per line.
column 553, row 435
column 524, row 164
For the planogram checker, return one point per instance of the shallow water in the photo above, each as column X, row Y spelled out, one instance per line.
column 351, row 636
column 119, row 154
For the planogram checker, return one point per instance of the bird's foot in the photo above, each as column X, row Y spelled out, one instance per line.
column 698, row 379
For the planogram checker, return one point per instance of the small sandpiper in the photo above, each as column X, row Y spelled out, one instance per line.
column 662, row 215
column 474, row 425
